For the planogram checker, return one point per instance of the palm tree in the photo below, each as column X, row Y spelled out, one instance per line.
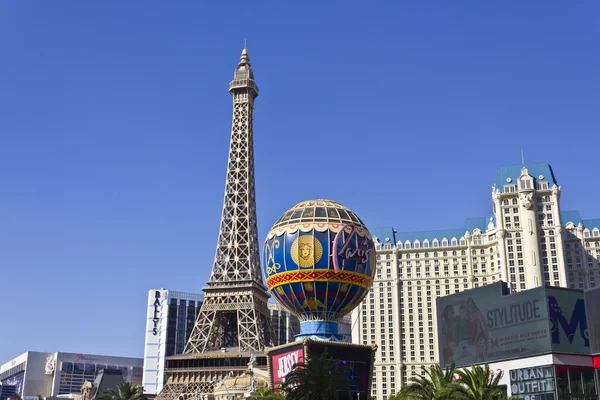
column 125, row 391
column 480, row 383
column 437, row 384
column 318, row 378
column 266, row 393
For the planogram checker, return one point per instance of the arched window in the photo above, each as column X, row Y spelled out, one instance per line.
column 407, row 245
column 596, row 232
column 445, row 254
column 454, row 242
column 465, row 280
column 454, row 253
column 463, row 253
column 586, row 233
column 515, row 201
column 417, row 244
column 462, row 242
column 435, row 254
column 426, row 255
column 444, row 242
column 426, row 243
column 435, row 243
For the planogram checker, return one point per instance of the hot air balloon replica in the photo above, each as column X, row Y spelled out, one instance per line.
column 319, row 263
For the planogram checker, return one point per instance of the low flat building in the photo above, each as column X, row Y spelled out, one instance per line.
column 53, row 374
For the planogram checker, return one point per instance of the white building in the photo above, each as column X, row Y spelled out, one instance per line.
column 52, row 374
column 527, row 241
column 171, row 316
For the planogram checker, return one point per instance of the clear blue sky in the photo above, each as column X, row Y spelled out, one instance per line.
column 115, row 119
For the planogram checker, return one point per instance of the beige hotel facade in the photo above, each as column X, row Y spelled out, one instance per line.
column 527, row 241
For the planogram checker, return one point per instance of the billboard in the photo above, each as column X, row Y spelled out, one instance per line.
column 483, row 324
column 16, row 380
column 593, row 318
column 355, row 361
column 488, row 324
column 282, row 362
column 568, row 321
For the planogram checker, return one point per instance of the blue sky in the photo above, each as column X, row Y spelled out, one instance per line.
column 115, row 119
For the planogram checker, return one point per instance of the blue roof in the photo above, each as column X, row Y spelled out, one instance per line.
column 534, row 169
column 383, row 234
column 394, row 237
column 570, row 216
column 430, row 235
column 575, row 218
column 591, row 223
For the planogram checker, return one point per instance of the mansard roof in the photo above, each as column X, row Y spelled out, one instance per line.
column 541, row 172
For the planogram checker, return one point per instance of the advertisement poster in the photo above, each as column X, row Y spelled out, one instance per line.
column 568, row 321
column 282, row 362
column 593, row 319
column 355, row 362
column 485, row 325
column 16, row 380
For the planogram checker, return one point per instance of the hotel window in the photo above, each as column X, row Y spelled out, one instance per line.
column 525, row 183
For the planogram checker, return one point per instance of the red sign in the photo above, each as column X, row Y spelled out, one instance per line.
column 597, row 362
column 282, row 364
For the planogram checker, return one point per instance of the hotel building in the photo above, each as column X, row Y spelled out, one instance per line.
column 527, row 241
column 171, row 316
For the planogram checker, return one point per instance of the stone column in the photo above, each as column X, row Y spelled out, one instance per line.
column 534, row 270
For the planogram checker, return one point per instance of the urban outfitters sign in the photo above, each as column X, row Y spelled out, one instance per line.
column 532, row 383
column 156, row 318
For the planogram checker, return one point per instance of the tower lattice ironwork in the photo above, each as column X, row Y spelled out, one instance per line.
column 234, row 318
column 234, row 312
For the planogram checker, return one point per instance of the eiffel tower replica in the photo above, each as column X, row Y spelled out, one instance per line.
column 233, row 325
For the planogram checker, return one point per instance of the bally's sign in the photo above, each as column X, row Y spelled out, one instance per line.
column 156, row 316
